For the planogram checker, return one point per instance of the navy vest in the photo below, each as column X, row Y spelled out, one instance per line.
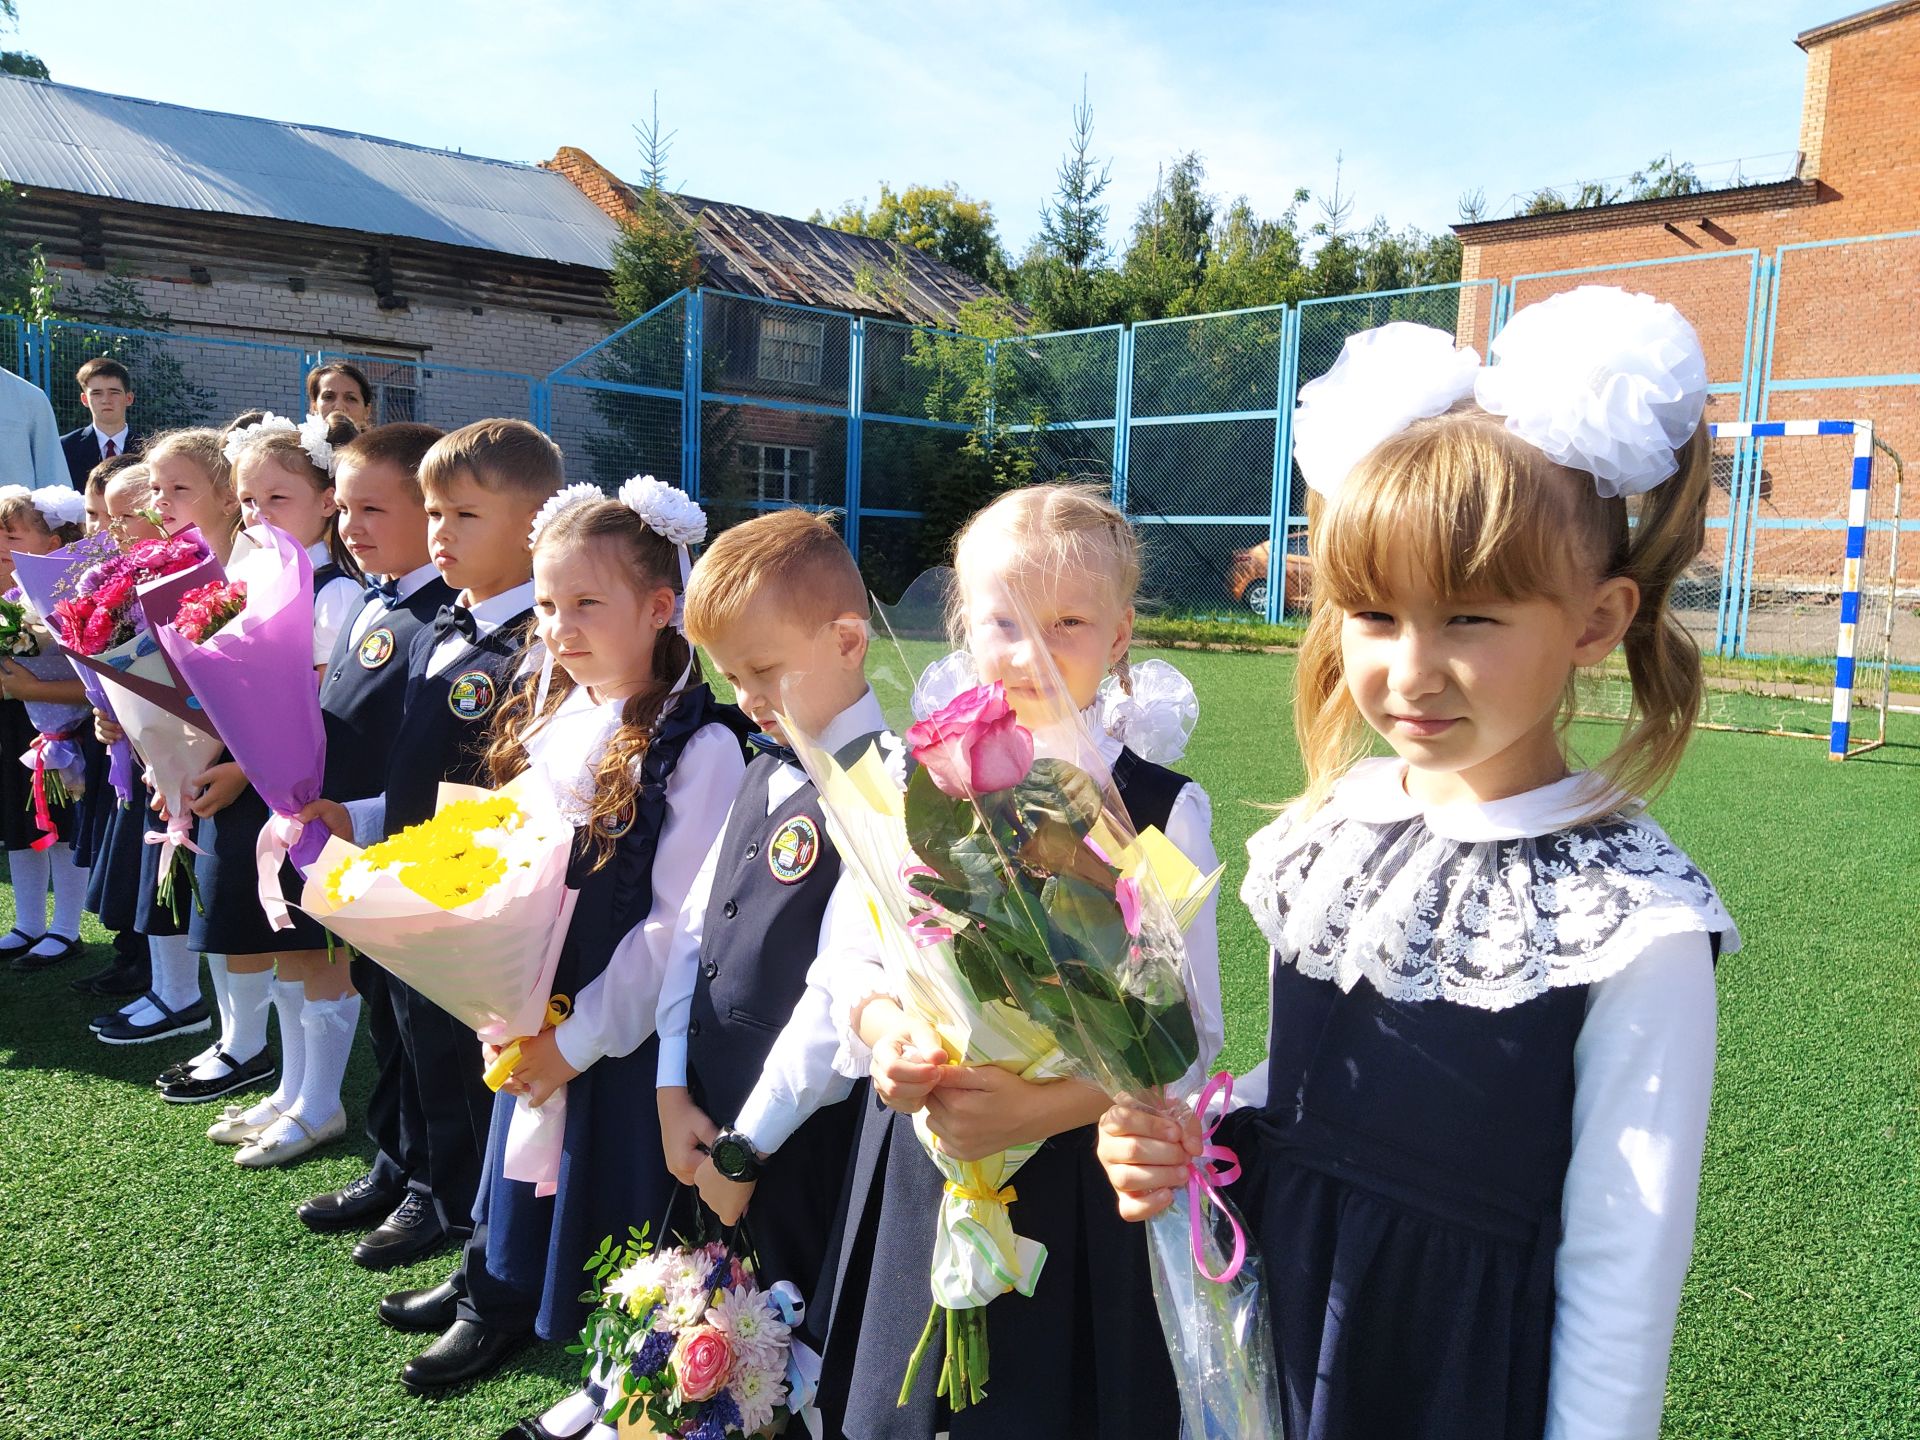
column 618, row 895
column 771, row 882
column 366, row 690
column 443, row 727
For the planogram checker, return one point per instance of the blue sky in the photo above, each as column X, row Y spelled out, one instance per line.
column 809, row 102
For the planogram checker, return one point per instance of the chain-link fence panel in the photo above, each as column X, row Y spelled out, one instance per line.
column 619, row 409
column 13, row 345
column 763, row 350
column 178, row 379
column 1054, row 403
column 754, row 459
column 447, row 396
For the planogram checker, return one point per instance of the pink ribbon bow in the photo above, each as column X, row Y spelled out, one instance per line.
column 176, row 837
column 1214, row 1167
column 925, row 927
column 278, row 836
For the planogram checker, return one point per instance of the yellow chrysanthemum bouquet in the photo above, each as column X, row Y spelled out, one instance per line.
column 470, row 908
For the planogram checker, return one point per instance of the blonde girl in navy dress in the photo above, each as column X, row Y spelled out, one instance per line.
column 1473, row 1153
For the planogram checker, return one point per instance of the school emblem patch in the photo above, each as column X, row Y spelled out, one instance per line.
column 472, row 695
column 615, row 825
column 376, row 648
column 794, row 851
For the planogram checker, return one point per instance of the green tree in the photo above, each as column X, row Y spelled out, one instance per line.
column 1065, row 278
column 939, row 219
column 18, row 62
column 1167, row 259
column 656, row 254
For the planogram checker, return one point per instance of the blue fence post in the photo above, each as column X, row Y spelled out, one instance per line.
column 856, row 406
column 692, row 382
column 1122, row 417
column 1286, row 378
column 37, row 353
column 992, row 360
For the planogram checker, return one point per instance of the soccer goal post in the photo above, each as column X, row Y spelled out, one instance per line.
column 1794, row 600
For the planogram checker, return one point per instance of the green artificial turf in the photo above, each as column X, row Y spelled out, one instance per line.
column 148, row 1287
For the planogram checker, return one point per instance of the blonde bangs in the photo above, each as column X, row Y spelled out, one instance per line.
column 1472, row 509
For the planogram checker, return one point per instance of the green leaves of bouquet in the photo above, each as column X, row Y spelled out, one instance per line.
column 1039, row 916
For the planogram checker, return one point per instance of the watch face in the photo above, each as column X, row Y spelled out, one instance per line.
column 733, row 1157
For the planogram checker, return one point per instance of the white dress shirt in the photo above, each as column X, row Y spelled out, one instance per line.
column 488, row 616
column 333, row 605
column 860, row 977
column 1643, row 1076
column 613, row 1013
column 119, row 439
column 372, row 610
column 799, row 1075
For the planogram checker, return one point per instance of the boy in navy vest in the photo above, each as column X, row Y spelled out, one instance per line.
column 482, row 484
column 383, row 521
column 751, row 1107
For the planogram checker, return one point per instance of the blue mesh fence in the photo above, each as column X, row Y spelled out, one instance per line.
column 13, row 346
column 620, row 408
column 178, row 379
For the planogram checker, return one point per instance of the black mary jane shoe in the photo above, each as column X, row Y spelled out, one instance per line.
column 468, row 1351
column 16, row 943
column 183, row 1089
column 30, row 959
column 421, row 1312
column 530, row 1428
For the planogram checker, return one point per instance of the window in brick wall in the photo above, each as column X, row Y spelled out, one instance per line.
column 396, row 389
column 792, row 347
column 782, row 474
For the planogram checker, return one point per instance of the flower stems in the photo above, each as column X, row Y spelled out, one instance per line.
column 963, row 1366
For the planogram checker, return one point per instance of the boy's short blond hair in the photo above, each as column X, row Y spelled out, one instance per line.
column 508, row 456
column 794, row 555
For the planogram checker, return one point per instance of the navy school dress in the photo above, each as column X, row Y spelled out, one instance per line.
column 612, row 1170
column 229, row 920
column 17, row 828
column 360, row 704
column 96, row 805
column 1082, row 1357
column 442, row 735
column 774, row 876
column 1403, row 1183
column 123, row 885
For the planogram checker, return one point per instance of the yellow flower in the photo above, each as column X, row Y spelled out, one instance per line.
column 442, row 859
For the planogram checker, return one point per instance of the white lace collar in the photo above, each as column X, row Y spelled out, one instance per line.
column 1487, row 905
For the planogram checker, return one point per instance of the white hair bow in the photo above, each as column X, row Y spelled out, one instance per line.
column 1596, row 379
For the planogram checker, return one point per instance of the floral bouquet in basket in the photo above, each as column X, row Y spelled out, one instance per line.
column 470, row 908
column 689, row 1345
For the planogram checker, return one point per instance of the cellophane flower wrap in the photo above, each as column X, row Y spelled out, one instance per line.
column 54, row 758
column 99, row 600
column 44, row 580
column 1023, row 912
column 244, row 647
column 687, row 1342
column 471, row 909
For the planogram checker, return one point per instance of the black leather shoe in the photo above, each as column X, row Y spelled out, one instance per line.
column 352, row 1207
column 421, row 1311
column 531, row 1429
column 65, row 948
column 468, row 1351
column 411, row 1232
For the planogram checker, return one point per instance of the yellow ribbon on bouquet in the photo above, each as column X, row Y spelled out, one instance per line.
column 558, row 1009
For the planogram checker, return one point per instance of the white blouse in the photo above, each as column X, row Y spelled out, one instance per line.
column 1454, row 909
column 334, row 605
column 613, row 1012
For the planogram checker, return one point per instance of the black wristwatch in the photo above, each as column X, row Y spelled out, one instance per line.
column 734, row 1157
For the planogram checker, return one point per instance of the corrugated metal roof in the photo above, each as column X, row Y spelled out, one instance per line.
column 58, row 137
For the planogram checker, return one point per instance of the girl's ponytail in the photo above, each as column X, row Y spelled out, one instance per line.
column 1663, row 663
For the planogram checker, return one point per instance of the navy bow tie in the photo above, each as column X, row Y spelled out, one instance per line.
column 386, row 591
column 764, row 744
column 452, row 619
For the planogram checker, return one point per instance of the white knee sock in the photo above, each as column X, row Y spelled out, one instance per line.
column 244, row 1034
column 69, row 893
column 289, row 1003
column 176, row 971
column 29, row 869
column 329, row 1025
column 205, row 1066
column 572, row 1415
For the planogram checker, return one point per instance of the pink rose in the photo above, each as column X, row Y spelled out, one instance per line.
column 973, row 745
column 701, row 1359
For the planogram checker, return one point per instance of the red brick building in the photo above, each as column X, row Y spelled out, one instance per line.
column 1745, row 266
